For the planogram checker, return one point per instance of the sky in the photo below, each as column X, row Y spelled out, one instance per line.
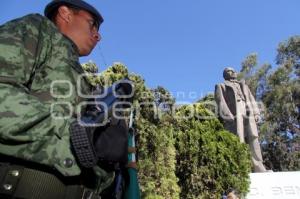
column 182, row 45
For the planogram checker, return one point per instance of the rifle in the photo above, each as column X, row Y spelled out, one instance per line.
column 102, row 107
column 100, row 111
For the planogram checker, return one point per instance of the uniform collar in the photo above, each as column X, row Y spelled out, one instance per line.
column 74, row 46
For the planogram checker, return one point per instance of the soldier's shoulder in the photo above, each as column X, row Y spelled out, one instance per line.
column 33, row 18
column 31, row 23
column 29, row 20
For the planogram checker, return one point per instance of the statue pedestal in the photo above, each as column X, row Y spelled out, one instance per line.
column 274, row 185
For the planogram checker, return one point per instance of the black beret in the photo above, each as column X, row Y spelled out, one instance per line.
column 73, row 3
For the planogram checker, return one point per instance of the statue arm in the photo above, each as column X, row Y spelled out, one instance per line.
column 223, row 109
column 253, row 102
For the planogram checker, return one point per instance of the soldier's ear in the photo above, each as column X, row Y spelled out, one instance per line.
column 64, row 13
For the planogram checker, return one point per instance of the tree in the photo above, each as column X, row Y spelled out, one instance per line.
column 254, row 75
column 289, row 52
column 163, row 99
column 279, row 90
column 282, row 107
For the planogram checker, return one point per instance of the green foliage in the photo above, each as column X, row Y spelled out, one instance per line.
column 91, row 69
column 209, row 103
column 183, row 152
column 254, row 75
column 157, row 161
column 282, row 103
column 210, row 160
column 289, row 52
column 279, row 153
column 163, row 99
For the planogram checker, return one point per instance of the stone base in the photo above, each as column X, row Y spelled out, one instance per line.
column 274, row 185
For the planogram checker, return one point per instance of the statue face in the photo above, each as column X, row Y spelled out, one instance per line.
column 230, row 74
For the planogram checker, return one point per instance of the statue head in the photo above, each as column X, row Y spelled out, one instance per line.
column 229, row 74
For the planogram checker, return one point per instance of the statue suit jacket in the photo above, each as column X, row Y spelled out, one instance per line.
column 226, row 99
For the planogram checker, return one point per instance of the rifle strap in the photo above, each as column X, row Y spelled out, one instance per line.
column 131, row 144
column 132, row 165
column 131, row 150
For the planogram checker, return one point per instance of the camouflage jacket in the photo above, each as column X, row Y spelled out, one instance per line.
column 40, row 87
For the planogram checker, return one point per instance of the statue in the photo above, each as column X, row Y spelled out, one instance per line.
column 239, row 112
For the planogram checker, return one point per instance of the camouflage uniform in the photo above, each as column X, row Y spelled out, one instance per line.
column 39, row 82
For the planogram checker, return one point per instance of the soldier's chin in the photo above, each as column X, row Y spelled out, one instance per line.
column 85, row 52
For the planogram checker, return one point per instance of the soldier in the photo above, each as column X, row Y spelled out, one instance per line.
column 239, row 113
column 40, row 86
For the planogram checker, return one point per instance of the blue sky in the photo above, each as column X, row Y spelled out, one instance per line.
column 182, row 45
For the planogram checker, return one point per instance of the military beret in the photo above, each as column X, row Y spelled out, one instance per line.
column 51, row 7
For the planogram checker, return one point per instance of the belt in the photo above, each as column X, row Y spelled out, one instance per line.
column 20, row 182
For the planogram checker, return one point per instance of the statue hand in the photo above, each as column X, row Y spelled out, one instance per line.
column 230, row 117
column 257, row 118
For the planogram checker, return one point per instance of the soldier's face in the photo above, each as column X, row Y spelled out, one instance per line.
column 84, row 32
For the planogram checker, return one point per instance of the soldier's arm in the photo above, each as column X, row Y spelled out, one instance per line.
column 27, row 128
column 19, row 110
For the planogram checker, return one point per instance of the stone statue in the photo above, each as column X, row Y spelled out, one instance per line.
column 239, row 112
